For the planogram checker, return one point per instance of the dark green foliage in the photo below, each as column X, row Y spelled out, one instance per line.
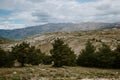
column 47, row 59
column 6, row 59
column 10, row 60
column 117, row 57
column 21, row 52
column 105, row 57
column 24, row 53
column 35, row 56
column 87, row 56
column 62, row 54
column 3, row 56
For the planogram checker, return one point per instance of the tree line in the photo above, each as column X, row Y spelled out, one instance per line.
column 62, row 55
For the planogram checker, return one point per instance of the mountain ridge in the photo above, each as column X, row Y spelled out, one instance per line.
column 54, row 27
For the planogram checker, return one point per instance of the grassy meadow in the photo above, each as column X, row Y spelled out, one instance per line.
column 46, row 72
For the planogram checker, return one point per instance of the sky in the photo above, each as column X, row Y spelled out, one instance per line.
column 23, row 13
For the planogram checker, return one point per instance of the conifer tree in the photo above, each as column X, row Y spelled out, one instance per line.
column 3, row 57
column 117, row 57
column 21, row 52
column 35, row 56
column 87, row 56
column 6, row 59
column 62, row 54
column 105, row 56
column 24, row 53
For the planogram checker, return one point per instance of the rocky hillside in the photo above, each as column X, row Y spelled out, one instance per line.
column 5, row 40
column 54, row 27
column 76, row 39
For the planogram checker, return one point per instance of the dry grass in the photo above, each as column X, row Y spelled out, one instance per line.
column 46, row 72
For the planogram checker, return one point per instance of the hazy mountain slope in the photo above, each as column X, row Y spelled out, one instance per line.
column 53, row 27
column 76, row 39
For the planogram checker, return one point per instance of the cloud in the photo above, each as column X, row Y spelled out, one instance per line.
column 8, row 25
column 41, row 17
column 33, row 12
column 36, row 1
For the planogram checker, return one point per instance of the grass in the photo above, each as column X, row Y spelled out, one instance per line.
column 46, row 72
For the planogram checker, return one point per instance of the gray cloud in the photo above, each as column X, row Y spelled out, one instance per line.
column 41, row 17
column 36, row 1
column 54, row 11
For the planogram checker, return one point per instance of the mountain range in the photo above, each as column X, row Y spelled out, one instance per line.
column 54, row 27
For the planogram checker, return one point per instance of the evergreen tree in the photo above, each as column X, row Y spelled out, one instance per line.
column 24, row 53
column 9, row 59
column 35, row 57
column 62, row 54
column 105, row 57
column 87, row 56
column 117, row 57
column 3, row 57
column 6, row 59
column 21, row 52
column 47, row 59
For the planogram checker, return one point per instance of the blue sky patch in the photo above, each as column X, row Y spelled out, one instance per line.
column 5, row 12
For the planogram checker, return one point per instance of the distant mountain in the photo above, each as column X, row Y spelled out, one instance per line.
column 53, row 27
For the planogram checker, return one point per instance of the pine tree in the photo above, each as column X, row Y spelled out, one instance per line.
column 21, row 52
column 62, row 54
column 117, row 57
column 3, row 57
column 35, row 57
column 105, row 57
column 87, row 56
column 6, row 58
column 26, row 54
column 47, row 59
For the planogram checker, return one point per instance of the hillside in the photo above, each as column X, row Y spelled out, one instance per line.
column 5, row 40
column 54, row 27
column 75, row 39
